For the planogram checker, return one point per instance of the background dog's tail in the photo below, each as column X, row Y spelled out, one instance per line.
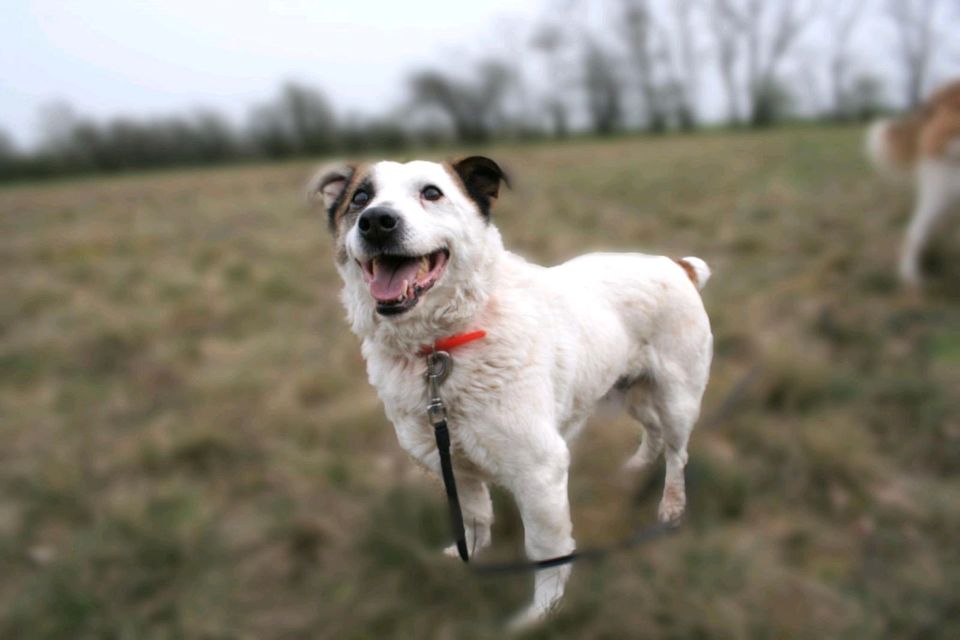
column 877, row 147
column 697, row 270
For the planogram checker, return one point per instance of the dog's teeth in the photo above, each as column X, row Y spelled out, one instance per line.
column 424, row 267
column 374, row 264
column 403, row 293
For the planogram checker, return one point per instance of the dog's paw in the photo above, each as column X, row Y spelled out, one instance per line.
column 631, row 473
column 670, row 513
column 528, row 619
column 474, row 546
column 910, row 274
column 636, row 463
column 672, row 505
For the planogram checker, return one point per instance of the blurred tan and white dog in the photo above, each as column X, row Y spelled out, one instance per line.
column 421, row 261
column 924, row 147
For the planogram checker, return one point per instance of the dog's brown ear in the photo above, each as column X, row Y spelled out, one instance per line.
column 327, row 187
column 481, row 179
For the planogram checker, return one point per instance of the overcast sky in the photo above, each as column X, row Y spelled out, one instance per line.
column 112, row 57
column 142, row 58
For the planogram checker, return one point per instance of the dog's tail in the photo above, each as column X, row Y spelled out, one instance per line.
column 891, row 148
column 697, row 270
column 877, row 147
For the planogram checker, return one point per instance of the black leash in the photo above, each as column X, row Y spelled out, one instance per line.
column 450, row 484
column 642, row 536
column 439, row 364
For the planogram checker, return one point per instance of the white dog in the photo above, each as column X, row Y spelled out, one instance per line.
column 924, row 147
column 421, row 261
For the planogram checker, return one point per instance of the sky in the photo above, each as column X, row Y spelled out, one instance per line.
column 127, row 57
column 142, row 58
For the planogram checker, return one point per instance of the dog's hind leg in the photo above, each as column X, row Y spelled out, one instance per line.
column 641, row 409
column 477, row 514
column 678, row 407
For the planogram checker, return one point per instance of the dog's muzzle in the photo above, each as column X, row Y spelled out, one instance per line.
column 396, row 282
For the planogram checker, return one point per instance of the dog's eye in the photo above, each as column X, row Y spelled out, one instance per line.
column 431, row 193
column 360, row 198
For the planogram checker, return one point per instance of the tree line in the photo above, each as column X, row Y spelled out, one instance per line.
column 761, row 61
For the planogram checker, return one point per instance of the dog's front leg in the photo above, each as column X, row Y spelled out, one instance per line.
column 475, row 504
column 477, row 514
column 541, row 495
column 936, row 192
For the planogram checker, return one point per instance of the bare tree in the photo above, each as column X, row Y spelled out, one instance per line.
column 765, row 32
column 456, row 100
column 475, row 110
column 843, row 16
column 807, row 78
column 787, row 19
column 603, row 89
column 550, row 41
column 640, row 31
column 683, row 14
column 496, row 81
column 299, row 121
column 212, row 136
column 726, row 28
column 56, row 122
column 308, row 117
column 8, row 149
column 662, row 51
column 914, row 22
column 866, row 100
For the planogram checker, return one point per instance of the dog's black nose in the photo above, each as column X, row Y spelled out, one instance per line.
column 378, row 224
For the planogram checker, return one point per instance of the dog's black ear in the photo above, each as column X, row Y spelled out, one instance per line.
column 481, row 178
column 327, row 186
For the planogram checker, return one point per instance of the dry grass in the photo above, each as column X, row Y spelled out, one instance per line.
column 190, row 449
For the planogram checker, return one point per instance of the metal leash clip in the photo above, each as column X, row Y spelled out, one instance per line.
column 439, row 366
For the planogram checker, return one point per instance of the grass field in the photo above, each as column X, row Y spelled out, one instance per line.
column 189, row 447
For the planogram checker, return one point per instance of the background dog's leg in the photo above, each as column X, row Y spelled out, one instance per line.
column 541, row 495
column 477, row 514
column 935, row 194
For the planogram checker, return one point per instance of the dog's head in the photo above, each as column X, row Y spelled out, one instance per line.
column 403, row 230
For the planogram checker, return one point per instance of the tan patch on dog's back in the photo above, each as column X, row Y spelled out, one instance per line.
column 927, row 132
column 902, row 137
column 939, row 132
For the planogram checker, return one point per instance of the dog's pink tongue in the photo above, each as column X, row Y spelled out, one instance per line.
column 389, row 276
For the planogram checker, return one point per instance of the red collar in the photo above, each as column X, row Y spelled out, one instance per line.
column 452, row 342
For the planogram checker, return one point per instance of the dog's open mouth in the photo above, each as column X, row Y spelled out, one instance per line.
column 397, row 282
